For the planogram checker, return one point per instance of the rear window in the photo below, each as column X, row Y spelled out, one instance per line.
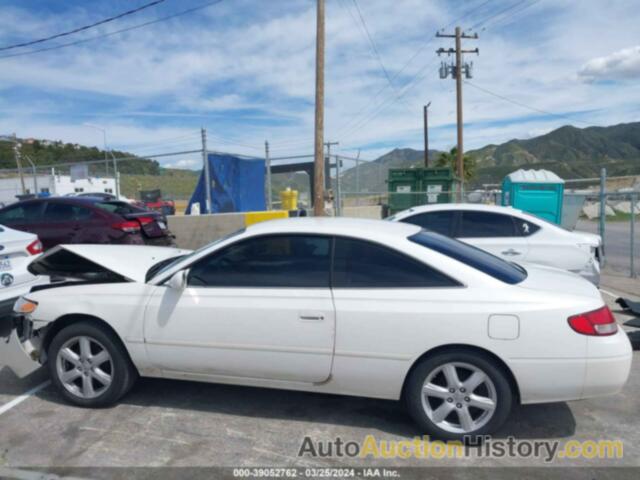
column 472, row 256
column 120, row 208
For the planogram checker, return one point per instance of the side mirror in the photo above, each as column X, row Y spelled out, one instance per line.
column 178, row 281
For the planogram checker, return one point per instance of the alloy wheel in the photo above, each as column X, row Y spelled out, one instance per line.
column 84, row 367
column 459, row 397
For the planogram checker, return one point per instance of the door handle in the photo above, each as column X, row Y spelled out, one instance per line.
column 511, row 252
column 312, row 317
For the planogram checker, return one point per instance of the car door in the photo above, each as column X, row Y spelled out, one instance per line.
column 259, row 308
column 59, row 225
column 494, row 232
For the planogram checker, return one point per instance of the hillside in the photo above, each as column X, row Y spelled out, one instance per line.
column 568, row 151
column 50, row 153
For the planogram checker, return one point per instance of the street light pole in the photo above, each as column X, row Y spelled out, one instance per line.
column 104, row 139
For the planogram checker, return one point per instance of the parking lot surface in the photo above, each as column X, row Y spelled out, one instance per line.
column 175, row 423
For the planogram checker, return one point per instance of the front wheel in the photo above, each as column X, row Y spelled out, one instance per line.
column 458, row 394
column 89, row 365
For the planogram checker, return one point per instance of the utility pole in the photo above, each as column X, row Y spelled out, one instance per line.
column 426, row 134
column 267, row 162
column 456, row 70
column 207, row 173
column 336, row 198
column 318, row 201
column 16, row 153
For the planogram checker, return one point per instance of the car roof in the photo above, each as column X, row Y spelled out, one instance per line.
column 459, row 206
column 356, row 227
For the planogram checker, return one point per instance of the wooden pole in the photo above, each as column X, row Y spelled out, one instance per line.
column 318, row 201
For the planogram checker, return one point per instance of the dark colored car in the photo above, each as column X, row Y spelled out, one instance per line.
column 64, row 220
column 99, row 195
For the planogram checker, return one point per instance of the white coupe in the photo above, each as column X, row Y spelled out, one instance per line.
column 343, row 306
column 511, row 234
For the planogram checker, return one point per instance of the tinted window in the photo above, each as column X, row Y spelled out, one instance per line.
column 485, row 224
column 63, row 212
column 360, row 264
column 120, row 208
column 472, row 256
column 274, row 261
column 524, row 228
column 17, row 214
column 440, row 222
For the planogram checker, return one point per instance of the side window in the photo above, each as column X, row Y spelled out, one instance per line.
column 81, row 213
column 19, row 214
column 485, row 224
column 525, row 228
column 295, row 261
column 63, row 212
column 439, row 222
column 360, row 264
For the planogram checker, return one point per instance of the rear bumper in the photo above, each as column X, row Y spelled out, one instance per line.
column 603, row 372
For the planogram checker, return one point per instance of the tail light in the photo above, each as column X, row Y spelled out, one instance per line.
column 35, row 247
column 598, row 322
column 145, row 220
column 128, row 227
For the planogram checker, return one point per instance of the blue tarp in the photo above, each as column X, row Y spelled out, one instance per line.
column 237, row 185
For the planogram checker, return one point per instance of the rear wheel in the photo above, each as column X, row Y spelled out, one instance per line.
column 458, row 394
column 89, row 365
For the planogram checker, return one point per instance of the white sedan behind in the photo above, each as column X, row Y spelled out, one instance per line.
column 511, row 234
column 17, row 250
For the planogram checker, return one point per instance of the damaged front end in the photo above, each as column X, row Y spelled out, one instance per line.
column 20, row 340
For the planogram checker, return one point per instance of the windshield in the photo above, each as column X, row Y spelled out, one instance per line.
column 167, row 264
column 471, row 256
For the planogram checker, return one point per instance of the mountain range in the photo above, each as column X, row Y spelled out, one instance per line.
column 568, row 151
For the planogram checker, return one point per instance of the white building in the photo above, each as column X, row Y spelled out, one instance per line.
column 55, row 185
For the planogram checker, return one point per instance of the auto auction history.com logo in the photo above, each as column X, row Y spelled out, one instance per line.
column 484, row 447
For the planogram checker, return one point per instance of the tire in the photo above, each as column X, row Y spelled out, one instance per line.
column 95, row 379
column 463, row 414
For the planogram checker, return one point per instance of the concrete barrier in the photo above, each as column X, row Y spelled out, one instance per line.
column 369, row 211
column 194, row 231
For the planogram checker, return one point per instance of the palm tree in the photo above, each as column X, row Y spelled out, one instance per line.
column 450, row 159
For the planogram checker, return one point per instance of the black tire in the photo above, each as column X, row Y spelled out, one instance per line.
column 413, row 393
column 123, row 373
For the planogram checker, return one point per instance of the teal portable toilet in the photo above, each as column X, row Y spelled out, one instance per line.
column 539, row 192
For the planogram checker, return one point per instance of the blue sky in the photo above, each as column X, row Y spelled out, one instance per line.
column 244, row 69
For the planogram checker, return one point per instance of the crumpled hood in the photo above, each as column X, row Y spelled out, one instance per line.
column 550, row 279
column 129, row 262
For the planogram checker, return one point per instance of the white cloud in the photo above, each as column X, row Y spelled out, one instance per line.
column 249, row 76
column 623, row 64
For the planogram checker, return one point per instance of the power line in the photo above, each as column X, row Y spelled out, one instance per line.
column 511, row 15
column 83, row 28
column 372, row 43
column 524, row 105
column 490, row 17
column 116, row 32
column 357, row 119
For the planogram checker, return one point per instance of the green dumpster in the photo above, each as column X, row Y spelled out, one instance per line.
column 410, row 187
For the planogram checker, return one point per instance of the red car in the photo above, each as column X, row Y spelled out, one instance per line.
column 64, row 220
column 152, row 200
